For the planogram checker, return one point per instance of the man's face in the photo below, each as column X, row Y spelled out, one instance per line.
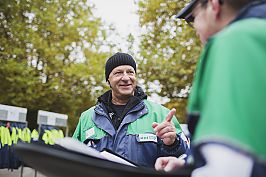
column 204, row 21
column 123, row 81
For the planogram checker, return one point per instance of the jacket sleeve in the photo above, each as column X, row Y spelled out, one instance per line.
column 180, row 146
column 84, row 122
column 177, row 149
column 77, row 133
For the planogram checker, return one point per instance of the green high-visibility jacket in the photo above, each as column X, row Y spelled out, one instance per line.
column 228, row 92
column 135, row 139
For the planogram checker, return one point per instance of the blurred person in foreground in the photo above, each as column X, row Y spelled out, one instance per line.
column 226, row 109
column 125, row 122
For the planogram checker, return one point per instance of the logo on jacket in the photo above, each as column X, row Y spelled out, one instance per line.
column 90, row 132
column 147, row 137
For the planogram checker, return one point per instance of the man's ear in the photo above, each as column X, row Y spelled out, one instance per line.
column 109, row 83
column 216, row 7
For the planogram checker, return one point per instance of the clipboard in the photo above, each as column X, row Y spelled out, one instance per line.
column 56, row 161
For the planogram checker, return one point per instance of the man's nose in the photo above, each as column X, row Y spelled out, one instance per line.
column 125, row 76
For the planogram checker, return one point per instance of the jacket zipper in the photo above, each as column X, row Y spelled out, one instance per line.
column 105, row 115
column 120, row 127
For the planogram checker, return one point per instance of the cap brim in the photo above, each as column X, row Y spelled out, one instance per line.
column 187, row 9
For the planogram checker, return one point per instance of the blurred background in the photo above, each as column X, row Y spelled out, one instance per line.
column 52, row 52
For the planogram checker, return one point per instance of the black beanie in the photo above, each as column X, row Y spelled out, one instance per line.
column 116, row 60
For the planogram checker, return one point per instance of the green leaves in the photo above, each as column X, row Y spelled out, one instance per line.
column 49, row 57
column 169, row 50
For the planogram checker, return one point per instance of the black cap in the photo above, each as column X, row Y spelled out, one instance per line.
column 187, row 9
column 116, row 60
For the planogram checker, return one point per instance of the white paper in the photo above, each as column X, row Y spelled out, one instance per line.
column 77, row 146
column 115, row 158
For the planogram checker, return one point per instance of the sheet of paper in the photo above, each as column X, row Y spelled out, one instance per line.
column 115, row 158
column 77, row 146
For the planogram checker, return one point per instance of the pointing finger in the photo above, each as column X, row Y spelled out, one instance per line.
column 170, row 115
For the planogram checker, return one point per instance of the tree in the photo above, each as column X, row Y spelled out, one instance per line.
column 168, row 51
column 50, row 55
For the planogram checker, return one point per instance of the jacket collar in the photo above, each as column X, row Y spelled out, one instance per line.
column 105, row 101
column 255, row 9
column 103, row 109
column 102, row 119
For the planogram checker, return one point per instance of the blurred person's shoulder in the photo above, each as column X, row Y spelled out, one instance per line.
column 245, row 29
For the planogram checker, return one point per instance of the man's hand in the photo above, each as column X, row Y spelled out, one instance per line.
column 168, row 164
column 166, row 130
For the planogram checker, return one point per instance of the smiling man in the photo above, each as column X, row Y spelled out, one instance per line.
column 125, row 122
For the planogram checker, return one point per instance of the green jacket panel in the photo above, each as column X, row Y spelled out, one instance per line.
column 229, row 88
column 86, row 128
column 156, row 113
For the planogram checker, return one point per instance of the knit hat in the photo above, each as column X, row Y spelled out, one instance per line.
column 116, row 60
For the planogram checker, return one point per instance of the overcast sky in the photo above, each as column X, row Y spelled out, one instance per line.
column 121, row 13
